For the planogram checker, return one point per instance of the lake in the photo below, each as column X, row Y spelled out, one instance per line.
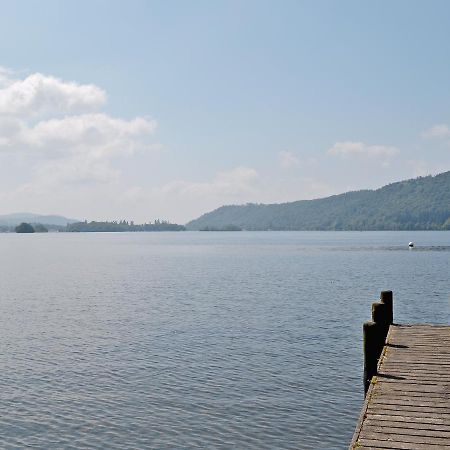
column 190, row 340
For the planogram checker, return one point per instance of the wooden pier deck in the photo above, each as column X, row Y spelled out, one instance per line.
column 407, row 405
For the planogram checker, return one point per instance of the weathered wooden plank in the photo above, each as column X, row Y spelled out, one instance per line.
column 410, row 411
column 425, row 373
column 397, row 387
column 373, row 443
column 418, row 374
column 416, row 420
column 416, row 341
column 408, row 335
column 417, row 358
column 360, row 447
column 412, row 347
column 414, row 382
column 416, row 348
column 421, row 403
column 403, row 376
column 400, row 373
column 410, row 366
column 420, row 357
column 435, row 397
column 419, row 362
column 412, row 337
column 389, row 429
column 408, row 341
column 420, row 328
column 413, row 341
column 393, row 383
column 433, row 379
column 406, row 400
column 410, row 438
column 402, row 330
column 409, row 427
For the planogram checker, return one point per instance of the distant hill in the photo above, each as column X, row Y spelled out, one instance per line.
column 17, row 218
column 419, row 204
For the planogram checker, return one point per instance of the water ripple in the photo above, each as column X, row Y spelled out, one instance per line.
column 143, row 342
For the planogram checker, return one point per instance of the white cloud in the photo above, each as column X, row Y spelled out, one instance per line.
column 437, row 131
column 51, row 122
column 288, row 160
column 88, row 133
column 69, row 173
column 351, row 149
column 40, row 94
column 225, row 184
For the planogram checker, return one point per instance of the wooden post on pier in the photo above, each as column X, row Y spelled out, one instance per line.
column 375, row 333
column 386, row 297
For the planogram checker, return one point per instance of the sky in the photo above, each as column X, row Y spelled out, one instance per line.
column 140, row 110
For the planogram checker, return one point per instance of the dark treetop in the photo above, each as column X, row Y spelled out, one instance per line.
column 24, row 228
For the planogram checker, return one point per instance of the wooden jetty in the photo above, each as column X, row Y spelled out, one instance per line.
column 407, row 383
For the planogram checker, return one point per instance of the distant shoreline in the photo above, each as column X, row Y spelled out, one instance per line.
column 93, row 227
column 227, row 231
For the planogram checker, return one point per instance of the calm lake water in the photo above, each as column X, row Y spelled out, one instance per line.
column 190, row 340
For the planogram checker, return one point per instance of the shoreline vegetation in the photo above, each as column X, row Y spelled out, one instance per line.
column 117, row 227
column 124, row 225
column 93, row 227
column 223, row 228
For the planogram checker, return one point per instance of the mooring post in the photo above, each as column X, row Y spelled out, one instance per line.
column 386, row 297
column 374, row 334
column 380, row 315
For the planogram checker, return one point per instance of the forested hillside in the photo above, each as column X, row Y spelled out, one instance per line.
column 419, row 204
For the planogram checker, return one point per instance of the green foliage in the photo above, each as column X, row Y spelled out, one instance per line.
column 123, row 225
column 24, row 228
column 419, row 204
column 39, row 228
column 224, row 228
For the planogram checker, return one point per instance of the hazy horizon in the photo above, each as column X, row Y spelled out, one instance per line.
column 119, row 217
column 151, row 109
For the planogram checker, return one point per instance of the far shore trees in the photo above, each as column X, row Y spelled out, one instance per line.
column 24, row 228
column 39, row 228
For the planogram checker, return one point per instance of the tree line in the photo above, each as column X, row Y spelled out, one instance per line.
column 93, row 226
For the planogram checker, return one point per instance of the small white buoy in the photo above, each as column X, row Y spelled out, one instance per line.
column 411, row 245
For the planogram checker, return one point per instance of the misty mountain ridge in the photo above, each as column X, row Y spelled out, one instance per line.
column 417, row 204
column 17, row 218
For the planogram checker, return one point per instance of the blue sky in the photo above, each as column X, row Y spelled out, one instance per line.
column 145, row 109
